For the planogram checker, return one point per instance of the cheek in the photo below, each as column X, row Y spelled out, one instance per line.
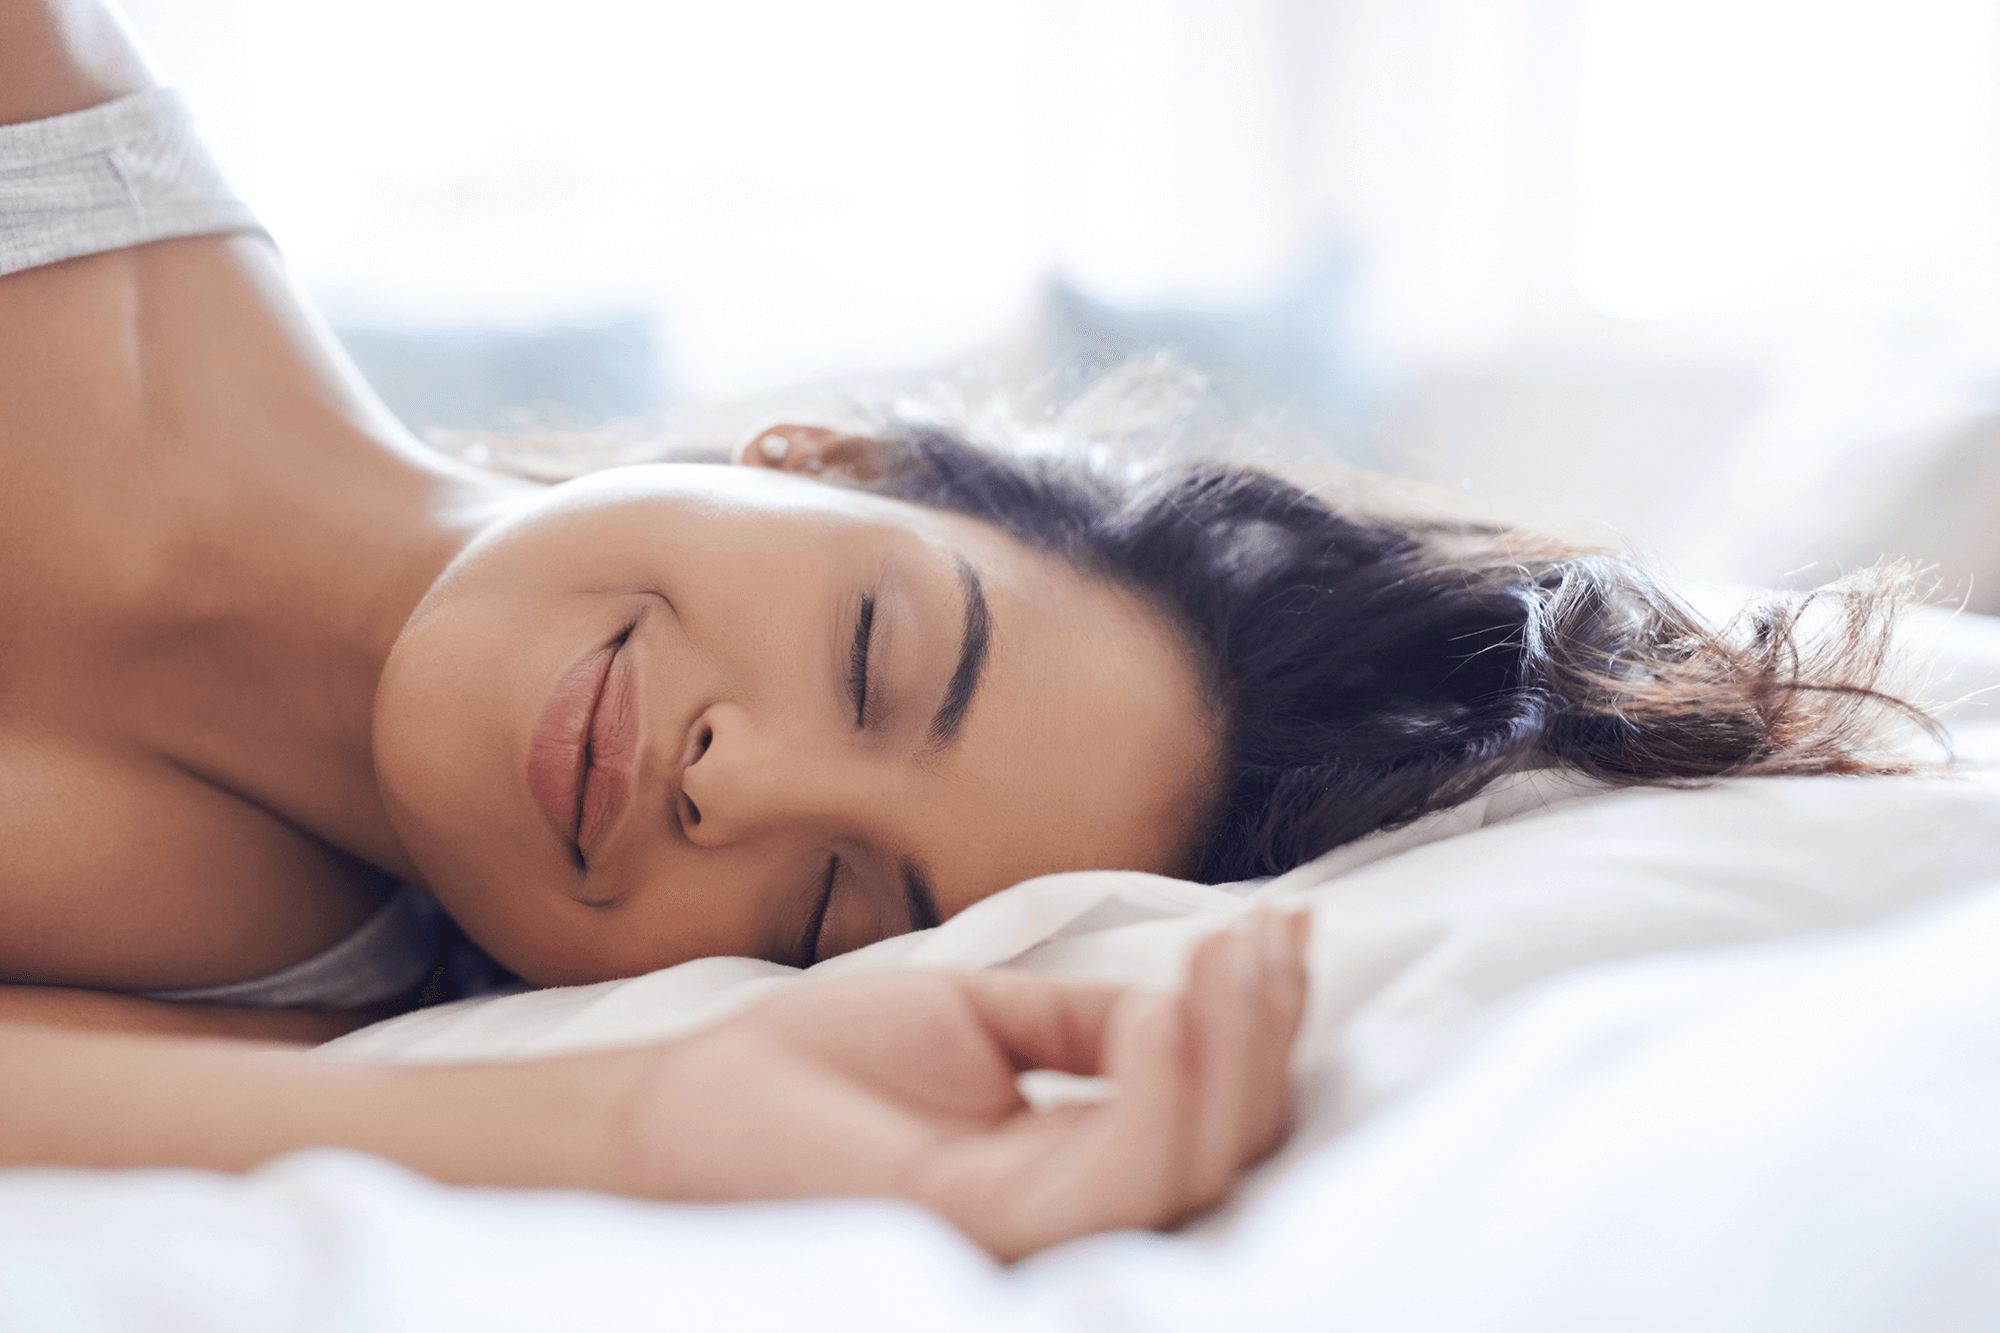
column 440, row 699
column 411, row 701
column 457, row 700
column 445, row 761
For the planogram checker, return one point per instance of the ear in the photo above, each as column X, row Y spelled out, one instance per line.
column 812, row 451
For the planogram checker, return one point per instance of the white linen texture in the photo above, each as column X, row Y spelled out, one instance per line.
column 1724, row 1058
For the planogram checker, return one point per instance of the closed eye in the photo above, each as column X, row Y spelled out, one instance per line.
column 809, row 947
column 857, row 661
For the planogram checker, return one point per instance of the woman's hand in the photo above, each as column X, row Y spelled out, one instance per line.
column 903, row 1085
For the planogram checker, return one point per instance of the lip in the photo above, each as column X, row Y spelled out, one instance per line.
column 584, row 748
column 614, row 753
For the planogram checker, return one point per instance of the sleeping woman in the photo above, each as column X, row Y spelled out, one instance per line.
column 302, row 724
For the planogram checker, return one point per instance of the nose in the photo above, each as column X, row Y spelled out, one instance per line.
column 743, row 777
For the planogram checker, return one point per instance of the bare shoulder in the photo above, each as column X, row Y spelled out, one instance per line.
column 72, row 374
column 80, row 331
column 59, row 56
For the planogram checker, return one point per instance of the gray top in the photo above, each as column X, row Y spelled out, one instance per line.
column 119, row 174
column 406, row 949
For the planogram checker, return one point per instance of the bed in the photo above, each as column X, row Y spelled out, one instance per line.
column 1719, row 1058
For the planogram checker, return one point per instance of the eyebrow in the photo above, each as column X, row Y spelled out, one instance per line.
column 971, row 667
column 917, row 896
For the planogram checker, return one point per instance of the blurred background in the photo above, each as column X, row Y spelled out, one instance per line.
column 1721, row 273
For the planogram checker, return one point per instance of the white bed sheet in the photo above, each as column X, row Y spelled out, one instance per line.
column 1797, row 1132
column 1795, row 1138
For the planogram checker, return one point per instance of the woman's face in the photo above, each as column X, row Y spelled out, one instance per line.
column 678, row 711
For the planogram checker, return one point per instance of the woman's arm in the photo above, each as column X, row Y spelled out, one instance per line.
column 59, row 56
column 899, row 1085
column 80, row 1098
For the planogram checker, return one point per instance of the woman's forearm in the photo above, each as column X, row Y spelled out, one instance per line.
column 120, row 1100
column 898, row 1084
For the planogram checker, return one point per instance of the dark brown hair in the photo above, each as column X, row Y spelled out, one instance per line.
column 1369, row 666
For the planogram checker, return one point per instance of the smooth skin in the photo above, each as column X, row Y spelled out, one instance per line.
column 262, row 654
column 224, row 733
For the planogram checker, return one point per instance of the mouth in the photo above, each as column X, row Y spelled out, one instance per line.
column 585, row 747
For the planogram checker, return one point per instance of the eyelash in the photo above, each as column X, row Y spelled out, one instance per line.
column 857, row 661
column 809, row 953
